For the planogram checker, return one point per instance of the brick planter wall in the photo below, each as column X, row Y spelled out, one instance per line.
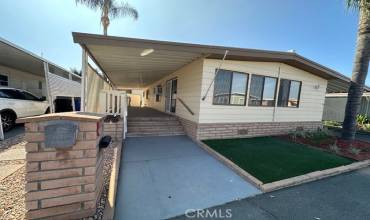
column 114, row 129
column 63, row 183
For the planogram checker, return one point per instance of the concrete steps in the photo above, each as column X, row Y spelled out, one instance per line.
column 153, row 126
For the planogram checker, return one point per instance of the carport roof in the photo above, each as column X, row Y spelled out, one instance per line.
column 120, row 59
column 21, row 59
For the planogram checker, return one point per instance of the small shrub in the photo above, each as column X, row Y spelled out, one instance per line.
column 319, row 135
column 315, row 136
column 354, row 151
column 362, row 119
column 366, row 127
column 334, row 148
column 297, row 133
column 330, row 123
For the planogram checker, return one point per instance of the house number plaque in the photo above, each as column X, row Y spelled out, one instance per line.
column 60, row 134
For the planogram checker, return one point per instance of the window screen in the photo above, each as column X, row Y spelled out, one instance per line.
column 230, row 88
column 289, row 93
column 262, row 91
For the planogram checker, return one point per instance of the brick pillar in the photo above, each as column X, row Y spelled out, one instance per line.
column 63, row 183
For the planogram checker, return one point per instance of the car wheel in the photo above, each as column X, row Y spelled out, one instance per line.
column 8, row 120
column 47, row 111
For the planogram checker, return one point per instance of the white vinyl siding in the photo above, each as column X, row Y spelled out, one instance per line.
column 195, row 78
column 311, row 99
column 189, row 79
column 24, row 80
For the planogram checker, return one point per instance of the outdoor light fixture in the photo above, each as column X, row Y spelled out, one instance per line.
column 146, row 52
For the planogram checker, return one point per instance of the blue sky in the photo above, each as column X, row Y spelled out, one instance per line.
column 321, row 30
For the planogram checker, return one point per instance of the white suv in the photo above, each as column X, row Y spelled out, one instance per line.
column 16, row 103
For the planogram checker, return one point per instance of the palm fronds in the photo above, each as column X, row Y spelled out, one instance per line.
column 358, row 5
column 110, row 9
column 92, row 4
column 123, row 10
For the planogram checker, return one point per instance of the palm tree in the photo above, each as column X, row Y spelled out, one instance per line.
column 110, row 9
column 360, row 68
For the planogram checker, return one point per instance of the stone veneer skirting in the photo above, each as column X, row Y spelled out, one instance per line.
column 248, row 129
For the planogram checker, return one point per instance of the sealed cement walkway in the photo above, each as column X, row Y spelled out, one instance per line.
column 162, row 177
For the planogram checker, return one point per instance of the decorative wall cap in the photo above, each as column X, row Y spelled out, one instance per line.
column 73, row 116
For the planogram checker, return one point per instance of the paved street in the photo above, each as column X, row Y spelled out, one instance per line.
column 17, row 130
column 346, row 196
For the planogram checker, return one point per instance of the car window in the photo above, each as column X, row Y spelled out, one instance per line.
column 29, row 96
column 12, row 94
column 3, row 94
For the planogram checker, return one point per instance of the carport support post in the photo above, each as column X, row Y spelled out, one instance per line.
column 48, row 92
column 1, row 129
column 73, row 98
column 83, row 80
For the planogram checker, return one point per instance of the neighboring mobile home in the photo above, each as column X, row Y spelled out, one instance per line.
column 254, row 93
column 22, row 69
column 335, row 104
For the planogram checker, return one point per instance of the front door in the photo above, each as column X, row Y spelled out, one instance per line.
column 171, row 92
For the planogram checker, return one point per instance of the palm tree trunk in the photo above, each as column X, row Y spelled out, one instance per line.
column 105, row 23
column 105, row 18
column 360, row 68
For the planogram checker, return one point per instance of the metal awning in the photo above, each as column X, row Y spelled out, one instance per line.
column 136, row 63
column 18, row 58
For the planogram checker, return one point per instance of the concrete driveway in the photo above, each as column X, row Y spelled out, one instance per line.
column 346, row 196
column 162, row 177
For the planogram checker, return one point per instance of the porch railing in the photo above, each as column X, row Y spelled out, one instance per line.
column 114, row 102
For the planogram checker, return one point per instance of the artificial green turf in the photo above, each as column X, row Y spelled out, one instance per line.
column 270, row 159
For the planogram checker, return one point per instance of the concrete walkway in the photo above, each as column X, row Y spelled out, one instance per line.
column 11, row 160
column 162, row 177
column 346, row 196
column 16, row 153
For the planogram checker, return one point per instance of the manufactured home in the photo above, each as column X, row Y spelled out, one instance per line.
column 213, row 91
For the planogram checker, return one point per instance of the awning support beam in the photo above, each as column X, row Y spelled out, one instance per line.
column 48, row 93
column 1, row 129
column 83, row 80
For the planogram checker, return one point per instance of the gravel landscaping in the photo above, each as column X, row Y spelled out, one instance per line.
column 12, row 189
column 108, row 162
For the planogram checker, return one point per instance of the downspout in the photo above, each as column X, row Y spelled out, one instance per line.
column 276, row 95
column 367, row 105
